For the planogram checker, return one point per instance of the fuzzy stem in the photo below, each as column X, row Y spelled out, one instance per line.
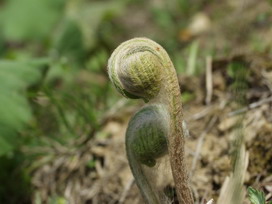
column 170, row 96
column 176, row 137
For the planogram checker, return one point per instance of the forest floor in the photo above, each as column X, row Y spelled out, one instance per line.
column 211, row 109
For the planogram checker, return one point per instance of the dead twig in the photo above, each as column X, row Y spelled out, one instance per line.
column 200, row 114
column 200, row 143
column 250, row 106
column 210, row 201
column 209, row 80
column 126, row 190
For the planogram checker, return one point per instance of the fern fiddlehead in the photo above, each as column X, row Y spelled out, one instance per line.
column 141, row 68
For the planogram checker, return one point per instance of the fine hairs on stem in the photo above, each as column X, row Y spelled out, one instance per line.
column 141, row 68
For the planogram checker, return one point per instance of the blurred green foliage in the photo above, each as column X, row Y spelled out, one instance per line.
column 53, row 82
column 15, row 182
column 239, row 73
column 29, row 19
column 15, row 111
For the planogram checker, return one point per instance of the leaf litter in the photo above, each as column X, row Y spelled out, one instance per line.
column 99, row 173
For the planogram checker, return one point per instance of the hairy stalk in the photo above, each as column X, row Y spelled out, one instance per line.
column 141, row 68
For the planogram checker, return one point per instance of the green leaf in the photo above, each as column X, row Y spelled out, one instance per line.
column 70, row 42
column 29, row 19
column 2, row 43
column 88, row 15
column 91, row 163
column 5, row 146
column 15, row 112
column 57, row 200
column 255, row 196
column 98, row 61
column 187, row 96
